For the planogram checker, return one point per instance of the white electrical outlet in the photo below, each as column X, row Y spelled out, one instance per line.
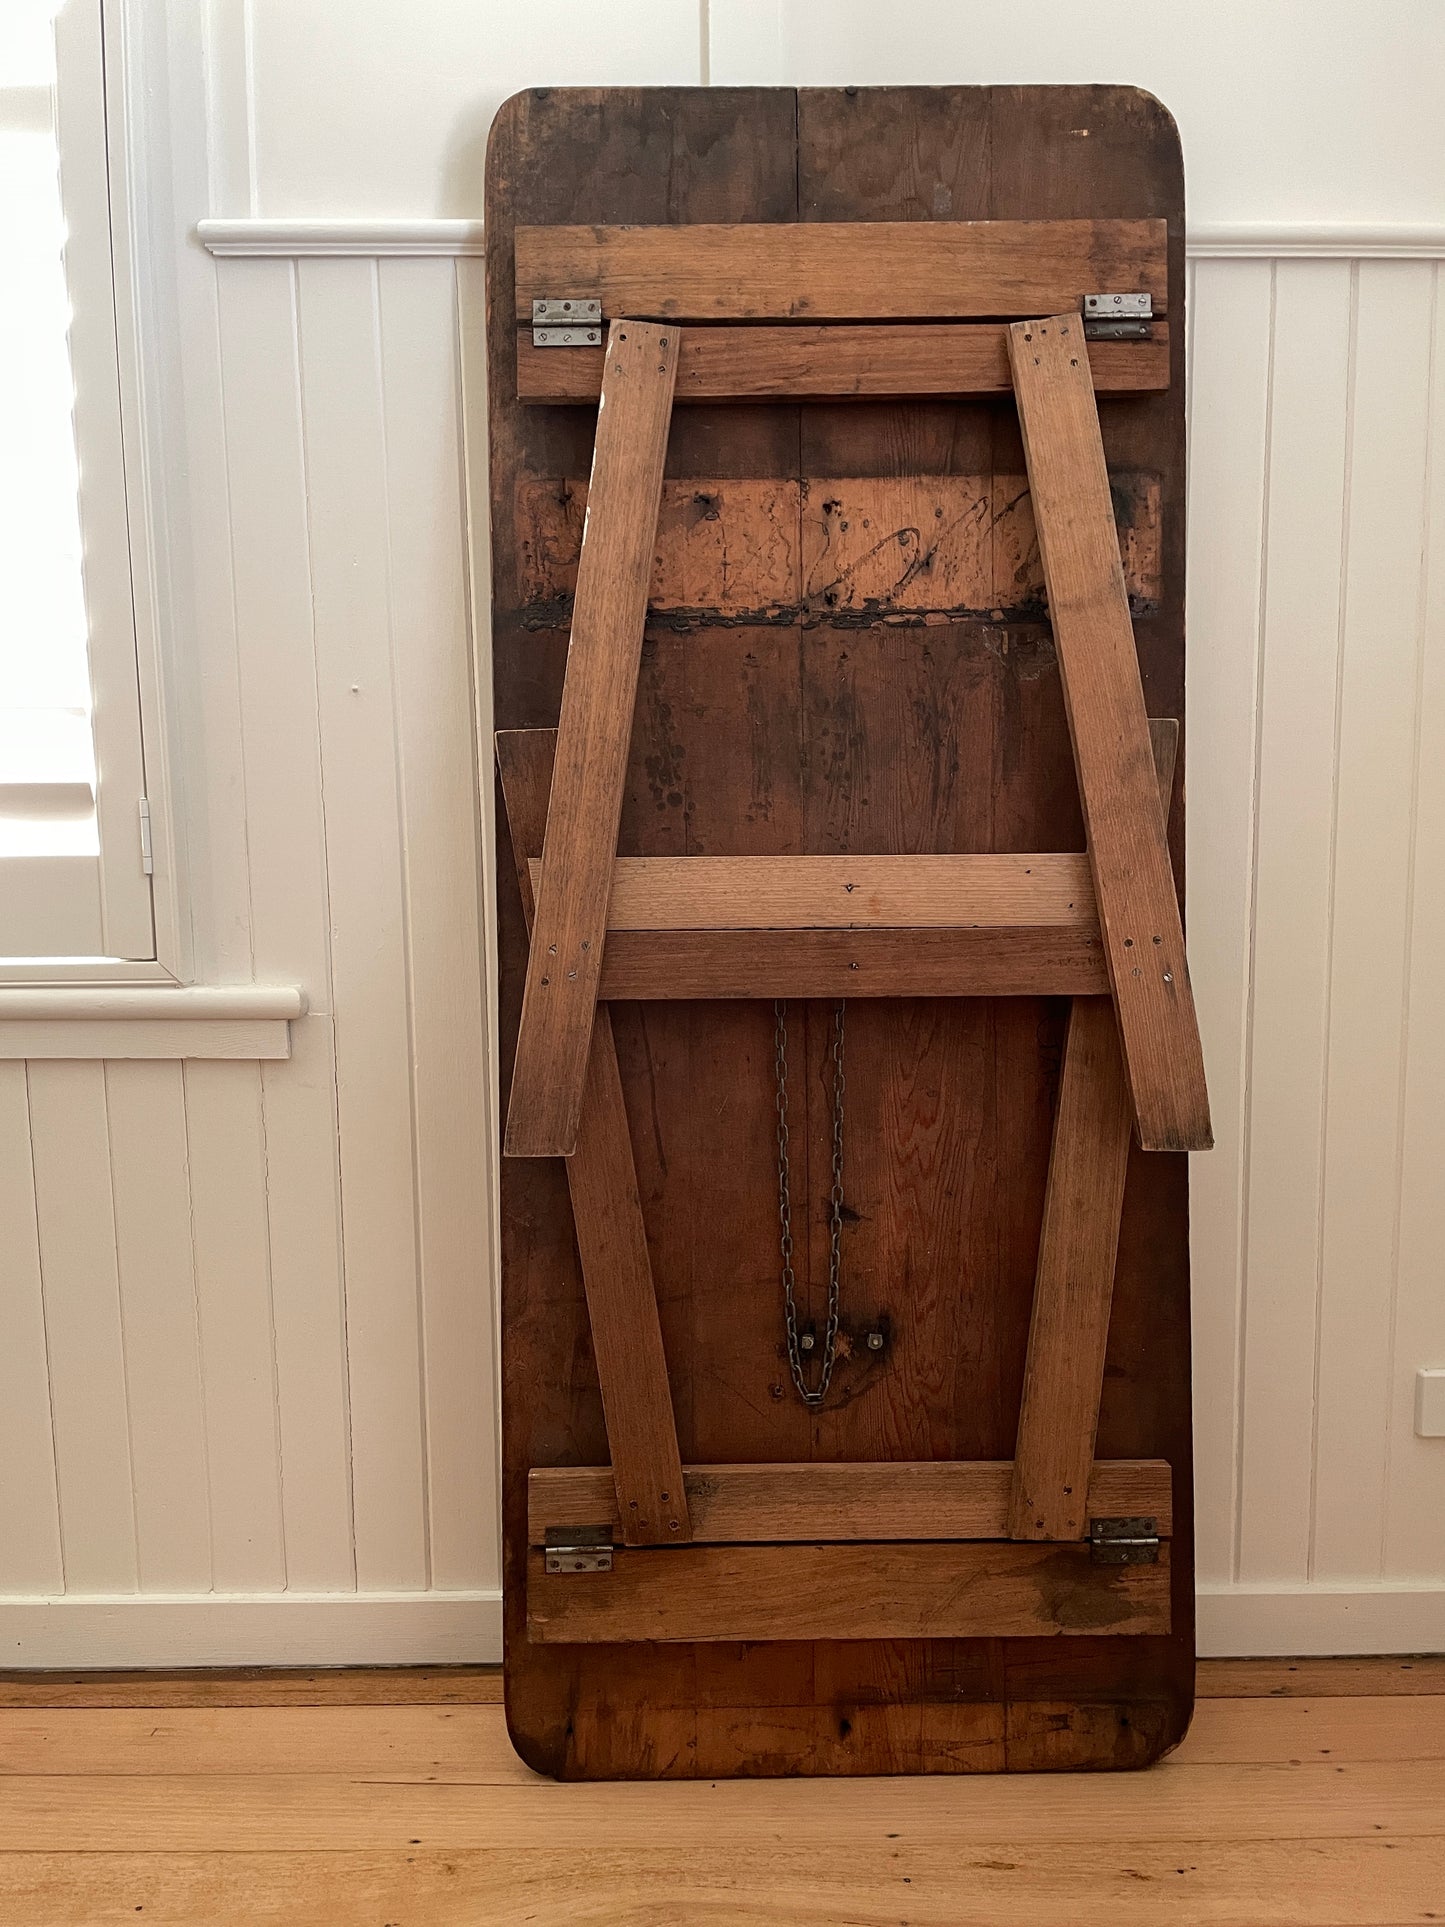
column 1430, row 1403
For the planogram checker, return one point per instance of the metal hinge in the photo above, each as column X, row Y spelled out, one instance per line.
column 147, row 857
column 566, row 323
column 578, row 1549
column 1123, row 1542
column 1118, row 317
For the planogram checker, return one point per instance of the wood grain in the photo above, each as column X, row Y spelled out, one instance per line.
column 1043, row 888
column 840, row 271
column 1022, row 961
column 743, row 549
column 592, row 737
column 1099, row 667
column 969, row 1590
column 783, row 725
column 1078, row 1250
column 1024, row 1876
column 611, row 1236
column 878, row 362
column 760, row 1504
column 1073, row 1293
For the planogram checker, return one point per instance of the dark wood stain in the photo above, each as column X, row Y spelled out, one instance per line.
column 788, row 726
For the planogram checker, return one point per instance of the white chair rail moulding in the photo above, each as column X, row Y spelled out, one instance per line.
column 1311, row 240
column 82, row 1020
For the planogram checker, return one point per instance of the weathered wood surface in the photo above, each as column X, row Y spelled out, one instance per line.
column 1028, row 888
column 778, row 551
column 1099, row 669
column 1053, row 1496
column 841, row 270
column 646, row 1471
column 921, row 1499
column 880, row 362
column 836, row 731
column 976, row 1589
column 589, row 769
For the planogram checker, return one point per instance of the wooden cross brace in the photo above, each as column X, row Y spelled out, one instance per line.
column 1104, row 929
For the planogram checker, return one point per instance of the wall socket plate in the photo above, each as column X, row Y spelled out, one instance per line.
column 1430, row 1403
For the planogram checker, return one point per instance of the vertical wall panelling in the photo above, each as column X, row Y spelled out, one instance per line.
column 1302, row 538
column 233, row 1290
column 1231, row 345
column 1415, row 1537
column 286, row 847
column 430, row 651
column 246, row 1314
column 30, row 1556
column 146, row 1115
column 70, row 1146
column 345, row 442
column 1379, row 667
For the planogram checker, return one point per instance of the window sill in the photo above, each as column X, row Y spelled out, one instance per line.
column 144, row 1020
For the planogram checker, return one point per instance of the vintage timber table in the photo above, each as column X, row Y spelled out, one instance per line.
column 849, row 1052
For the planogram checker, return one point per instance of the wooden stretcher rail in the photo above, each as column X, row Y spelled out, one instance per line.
column 850, row 892
column 1078, row 1249
column 841, row 270
column 868, row 362
column 554, row 1035
column 974, row 1590
column 1104, row 699
column 768, row 1504
column 646, row 1470
column 1055, row 960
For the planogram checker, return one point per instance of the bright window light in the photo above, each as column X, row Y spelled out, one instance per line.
column 47, row 757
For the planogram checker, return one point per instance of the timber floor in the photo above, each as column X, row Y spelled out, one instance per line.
column 1308, row 1792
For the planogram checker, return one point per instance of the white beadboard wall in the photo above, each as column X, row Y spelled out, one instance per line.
column 247, row 1370
column 247, row 1404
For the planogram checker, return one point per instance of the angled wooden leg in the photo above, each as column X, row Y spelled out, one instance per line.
column 593, row 734
column 611, row 1240
column 1099, row 669
column 1074, row 1284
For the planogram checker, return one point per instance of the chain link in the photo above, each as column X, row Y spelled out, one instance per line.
column 811, row 1396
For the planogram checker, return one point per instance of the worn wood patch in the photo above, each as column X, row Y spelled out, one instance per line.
column 780, row 551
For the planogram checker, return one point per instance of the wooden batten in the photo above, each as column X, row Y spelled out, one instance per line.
column 570, row 925
column 877, row 362
column 1058, row 960
column 1046, row 888
column 646, row 1472
column 770, row 1504
column 973, row 1590
column 841, row 270
column 1104, row 698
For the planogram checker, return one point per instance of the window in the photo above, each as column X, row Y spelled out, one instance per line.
column 74, row 866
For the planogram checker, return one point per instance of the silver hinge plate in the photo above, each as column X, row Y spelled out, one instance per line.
column 565, row 322
column 1118, row 317
column 578, row 1549
column 147, row 852
column 1123, row 1542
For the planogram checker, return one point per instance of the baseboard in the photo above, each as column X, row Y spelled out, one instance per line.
column 218, row 1629
column 460, row 1628
column 1266, row 1622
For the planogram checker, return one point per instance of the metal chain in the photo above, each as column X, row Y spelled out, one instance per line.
column 811, row 1397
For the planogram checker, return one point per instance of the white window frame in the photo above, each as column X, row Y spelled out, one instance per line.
column 142, row 929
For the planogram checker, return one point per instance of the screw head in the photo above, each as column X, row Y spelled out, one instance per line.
column 875, row 1341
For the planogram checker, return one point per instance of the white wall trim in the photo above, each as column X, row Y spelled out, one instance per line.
column 1245, row 1622
column 221, row 1629
column 1304, row 240
column 368, row 238
column 1315, row 240
column 146, row 1020
column 441, row 1628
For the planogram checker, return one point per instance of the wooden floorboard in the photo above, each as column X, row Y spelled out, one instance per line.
column 394, row 1796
